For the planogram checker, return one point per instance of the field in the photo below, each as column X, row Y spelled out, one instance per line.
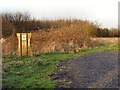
column 106, row 40
column 34, row 72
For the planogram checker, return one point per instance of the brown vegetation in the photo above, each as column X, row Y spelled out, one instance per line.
column 51, row 36
column 10, row 45
column 59, row 40
column 53, row 40
column 105, row 32
column 106, row 40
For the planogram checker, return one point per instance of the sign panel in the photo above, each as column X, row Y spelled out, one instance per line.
column 23, row 36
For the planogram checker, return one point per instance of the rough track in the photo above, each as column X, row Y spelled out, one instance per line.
column 95, row 70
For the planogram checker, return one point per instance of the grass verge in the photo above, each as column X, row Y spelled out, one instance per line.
column 33, row 72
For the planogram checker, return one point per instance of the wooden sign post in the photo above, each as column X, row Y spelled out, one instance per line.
column 24, row 48
column 19, row 45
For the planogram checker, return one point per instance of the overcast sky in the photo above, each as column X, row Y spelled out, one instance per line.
column 105, row 12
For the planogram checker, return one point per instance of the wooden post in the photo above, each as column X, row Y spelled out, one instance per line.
column 24, row 44
column 29, row 48
column 19, row 45
column 24, row 48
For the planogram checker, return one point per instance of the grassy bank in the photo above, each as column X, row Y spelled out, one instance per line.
column 33, row 72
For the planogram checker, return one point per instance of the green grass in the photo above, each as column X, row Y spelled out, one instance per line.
column 33, row 72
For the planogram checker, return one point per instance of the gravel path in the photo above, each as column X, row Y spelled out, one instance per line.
column 95, row 70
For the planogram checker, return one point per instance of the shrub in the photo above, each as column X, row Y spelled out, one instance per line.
column 59, row 40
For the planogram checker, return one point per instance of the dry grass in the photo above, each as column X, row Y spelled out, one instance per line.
column 9, row 45
column 59, row 40
column 106, row 40
column 56, row 40
column 53, row 40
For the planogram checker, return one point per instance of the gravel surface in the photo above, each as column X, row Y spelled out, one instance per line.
column 95, row 70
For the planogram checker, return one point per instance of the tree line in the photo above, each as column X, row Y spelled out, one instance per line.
column 24, row 22
column 105, row 32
